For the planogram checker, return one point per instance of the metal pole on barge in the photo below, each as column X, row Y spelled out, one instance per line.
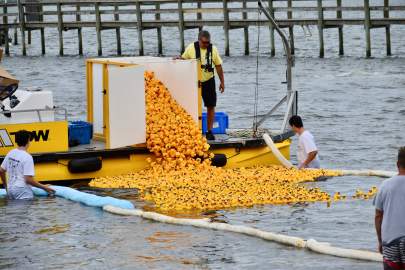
column 291, row 95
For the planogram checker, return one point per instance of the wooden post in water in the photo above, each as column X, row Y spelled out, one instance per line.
column 159, row 30
column 79, row 30
column 246, row 28
column 181, row 24
column 199, row 14
column 60, row 27
column 22, row 26
column 291, row 28
column 98, row 28
column 339, row 16
column 29, row 37
column 139, row 26
column 5, row 22
column 42, row 30
column 320, row 29
column 117, row 29
column 387, row 28
column 226, row 26
column 367, row 26
column 272, row 44
column 15, row 40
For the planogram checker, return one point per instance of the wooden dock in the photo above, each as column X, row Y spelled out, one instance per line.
column 25, row 16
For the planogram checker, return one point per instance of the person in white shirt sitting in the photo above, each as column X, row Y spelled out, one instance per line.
column 307, row 153
column 19, row 166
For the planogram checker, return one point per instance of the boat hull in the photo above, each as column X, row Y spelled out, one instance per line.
column 56, row 169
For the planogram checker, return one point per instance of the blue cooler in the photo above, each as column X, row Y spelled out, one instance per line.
column 221, row 123
column 80, row 132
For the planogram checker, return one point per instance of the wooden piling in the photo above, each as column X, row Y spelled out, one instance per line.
column 15, row 39
column 117, row 29
column 159, row 30
column 387, row 28
column 199, row 14
column 367, row 27
column 272, row 44
column 291, row 28
column 98, row 28
column 320, row 29
column 22, row 26
column 181, row 24
column 5, row 22
column 42, row 32
column 340, row 28
column 246, row 28
column 79, row 30
column 226, row 25
column 60, row 27
column 139, row 26
column 29, row 37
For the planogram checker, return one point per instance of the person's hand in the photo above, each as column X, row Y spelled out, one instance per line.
column 222, row 87
column 301, row 166
column 380, row 249
column 51, row 191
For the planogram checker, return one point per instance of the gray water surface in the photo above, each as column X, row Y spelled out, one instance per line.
column 355, row 107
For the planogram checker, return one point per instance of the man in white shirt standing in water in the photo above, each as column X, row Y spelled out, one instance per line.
column 307, row 153
column 19, row 166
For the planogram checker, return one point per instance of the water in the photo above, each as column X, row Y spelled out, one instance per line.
column 353, row 106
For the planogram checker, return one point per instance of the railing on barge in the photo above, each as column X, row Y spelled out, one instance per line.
column 29, row 15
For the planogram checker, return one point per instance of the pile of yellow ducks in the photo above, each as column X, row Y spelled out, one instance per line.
column 181, row 177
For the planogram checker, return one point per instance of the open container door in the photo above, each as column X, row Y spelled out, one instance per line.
column 126, row 116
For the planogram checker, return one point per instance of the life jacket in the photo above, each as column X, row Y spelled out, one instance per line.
column 208, row 66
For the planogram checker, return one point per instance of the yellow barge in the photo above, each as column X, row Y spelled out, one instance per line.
column 116, row 110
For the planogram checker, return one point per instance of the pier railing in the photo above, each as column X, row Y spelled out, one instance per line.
column 66, row 15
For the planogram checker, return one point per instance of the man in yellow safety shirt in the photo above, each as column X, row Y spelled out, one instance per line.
column 208, row 54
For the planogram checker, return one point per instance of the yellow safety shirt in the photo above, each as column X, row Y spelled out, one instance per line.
column 189, row 53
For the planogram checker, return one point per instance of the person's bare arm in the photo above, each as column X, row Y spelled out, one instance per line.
column 3, row 177
column 220, row 73
column 311, row 156
column 378, row 222
column 30, row 180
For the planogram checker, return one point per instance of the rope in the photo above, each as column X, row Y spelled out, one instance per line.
column 256, row 96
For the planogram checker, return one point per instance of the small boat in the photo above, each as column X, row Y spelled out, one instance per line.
column 115, row 132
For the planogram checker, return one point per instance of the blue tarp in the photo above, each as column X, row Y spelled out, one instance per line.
column 82, row 197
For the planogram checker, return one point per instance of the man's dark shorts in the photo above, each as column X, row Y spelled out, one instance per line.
column 394, row 254
column 209, row 94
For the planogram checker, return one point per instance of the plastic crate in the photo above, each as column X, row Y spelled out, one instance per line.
column 221, row 123
column 80, row 132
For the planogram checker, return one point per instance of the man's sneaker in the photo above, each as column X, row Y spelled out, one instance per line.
column 210, row 136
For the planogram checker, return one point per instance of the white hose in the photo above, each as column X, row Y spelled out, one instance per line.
column 326, row 248
column 285, row 162
column 379, row 173
column 323, row 248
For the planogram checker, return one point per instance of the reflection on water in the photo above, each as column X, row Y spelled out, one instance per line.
column 54, row 229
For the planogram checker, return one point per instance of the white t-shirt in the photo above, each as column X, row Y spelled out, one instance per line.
column 18, row 163
column 306, row 145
